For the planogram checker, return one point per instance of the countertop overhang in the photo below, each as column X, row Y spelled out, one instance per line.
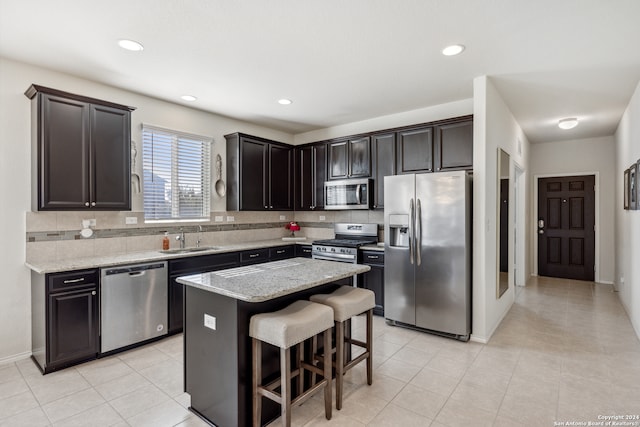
column 270, row 280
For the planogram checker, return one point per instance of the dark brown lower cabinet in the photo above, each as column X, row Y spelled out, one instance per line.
column 65, row 318
column 374, row 278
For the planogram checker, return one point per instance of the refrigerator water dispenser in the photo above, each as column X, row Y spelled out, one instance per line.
column 399, row 231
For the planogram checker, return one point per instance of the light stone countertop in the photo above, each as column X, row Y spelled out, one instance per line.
column 270, row 280
column 379, row 247
column 149, row 256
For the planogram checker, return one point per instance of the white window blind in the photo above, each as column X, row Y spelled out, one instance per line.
column 177, row 178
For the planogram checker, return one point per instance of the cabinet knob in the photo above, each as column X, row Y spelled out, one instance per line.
column 266, row 207
column 270, row 207
column 93, row 292
column 93, row 203
column 86, row 204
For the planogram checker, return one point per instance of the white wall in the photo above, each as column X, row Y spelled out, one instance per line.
column 585, row 157
column 494, row 127
column 627, row 244
column 422, row 115
column 15, row 175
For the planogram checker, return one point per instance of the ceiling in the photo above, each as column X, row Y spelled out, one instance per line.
column 345, row 61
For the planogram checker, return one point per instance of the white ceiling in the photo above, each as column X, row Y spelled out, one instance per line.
column 344, row 61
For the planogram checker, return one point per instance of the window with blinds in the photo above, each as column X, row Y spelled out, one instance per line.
column 177, row 178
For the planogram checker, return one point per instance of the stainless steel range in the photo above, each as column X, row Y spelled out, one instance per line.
column 348, row 238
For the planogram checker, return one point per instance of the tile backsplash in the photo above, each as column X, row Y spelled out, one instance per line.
column 55, row 236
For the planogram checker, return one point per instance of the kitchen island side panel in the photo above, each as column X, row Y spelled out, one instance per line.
column 211, row 356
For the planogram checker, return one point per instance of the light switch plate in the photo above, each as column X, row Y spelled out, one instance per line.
column 218, row 218
column 282, row 217
column 130, row 220
column 231, row 218
column 209, row 321
column 322, row 218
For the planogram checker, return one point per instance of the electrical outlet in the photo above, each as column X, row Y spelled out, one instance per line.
column 209, row 322
column 231, row 218
column 130, row 220
column 322, row 218
column 92, row 222
column 282, row 217
column 218, row 218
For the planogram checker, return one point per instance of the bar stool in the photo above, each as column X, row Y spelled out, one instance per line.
column 285, row 328
column 346, row 303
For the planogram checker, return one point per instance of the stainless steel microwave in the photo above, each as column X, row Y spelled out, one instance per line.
column 348, row 194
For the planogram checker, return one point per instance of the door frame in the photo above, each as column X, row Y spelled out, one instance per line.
column 534, row 220
column 519, row 236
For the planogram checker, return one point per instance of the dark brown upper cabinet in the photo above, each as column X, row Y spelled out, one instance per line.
column 259, row 174
column 383, row 149
column 350, row 158
column 311, row 173
column 454, row 146
column 81, row 152
column 415, row 150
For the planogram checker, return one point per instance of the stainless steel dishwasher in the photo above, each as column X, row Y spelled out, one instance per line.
column 133, row 304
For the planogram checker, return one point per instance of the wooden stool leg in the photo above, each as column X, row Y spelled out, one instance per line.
column 340, row 348
column 300, row 370
column 369, row 346
column 312, row 358
column 257, row 381
column 285, row 386
column 327, row 373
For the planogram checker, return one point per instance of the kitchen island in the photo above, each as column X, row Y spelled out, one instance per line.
column 217, row 346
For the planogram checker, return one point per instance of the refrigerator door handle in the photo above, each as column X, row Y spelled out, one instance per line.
column 418, row 238
column 411, row 230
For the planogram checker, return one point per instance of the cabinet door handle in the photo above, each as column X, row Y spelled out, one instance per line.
column 93, row 292
column 280, row 252
column 74, row 280
column 373, row 257
column 253, row 255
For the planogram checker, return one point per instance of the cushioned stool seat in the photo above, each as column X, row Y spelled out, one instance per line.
column 346, row 303
column 285, row 328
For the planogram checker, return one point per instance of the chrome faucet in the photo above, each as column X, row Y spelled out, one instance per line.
column 181, row 238
column 199, row 239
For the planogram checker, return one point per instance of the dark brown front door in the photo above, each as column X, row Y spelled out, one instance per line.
column 566, row 221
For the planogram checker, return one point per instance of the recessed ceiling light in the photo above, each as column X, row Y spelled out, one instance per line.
column 130, row 45
column 452, row 50
column 568, row 123
column 284, row 101
column 188, row 97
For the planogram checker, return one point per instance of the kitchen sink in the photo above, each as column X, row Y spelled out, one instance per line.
column 189, row 250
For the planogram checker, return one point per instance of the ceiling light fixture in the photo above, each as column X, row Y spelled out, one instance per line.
column 568, row 123
column 284, row 101
column 454, row 49
column 131, row 45
column 188, row 98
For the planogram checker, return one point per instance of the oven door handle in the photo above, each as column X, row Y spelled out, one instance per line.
column 335, row 257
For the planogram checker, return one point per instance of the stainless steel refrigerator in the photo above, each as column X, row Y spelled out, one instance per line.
column 427, row 269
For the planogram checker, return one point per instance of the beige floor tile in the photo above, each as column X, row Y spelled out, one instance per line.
column 193, row 421
column 16, row 404
column 463, row 413
column 362, row 410
column 448, row 365
column 481, row 396
column 119, row 387
column 31, row 418
column 435, row 381
column 138, row 401
column 393, row 416
column 167, row 376
column 144, row 357
column 398, row 370
column 338, row 419
column 383, row 387
column 528, row 411
column 51, row 389
column 99, row 416
column 420, row 401
column 104, row 371
column 13, row 387
column 73, row 404
column 166, row 414
column 413, row 356
column 9, row 372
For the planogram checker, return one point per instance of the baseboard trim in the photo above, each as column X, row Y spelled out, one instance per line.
column 15, row 358
column 481, row 340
